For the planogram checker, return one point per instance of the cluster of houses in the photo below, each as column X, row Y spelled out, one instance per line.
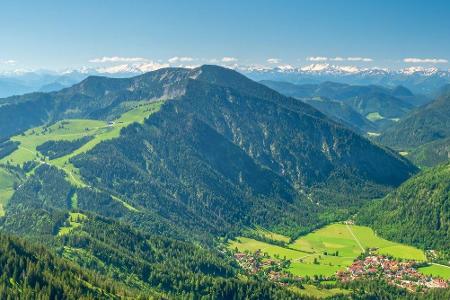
column 402, row 274
column 258, row 263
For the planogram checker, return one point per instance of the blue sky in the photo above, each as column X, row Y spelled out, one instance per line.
column 68, row 34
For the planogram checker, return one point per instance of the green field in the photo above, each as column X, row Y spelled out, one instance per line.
column 313, row 291
column 73, row 221
column 70, row 129
column 374, row 116
column 329, row 249
column 270, row 235
column 437, row 270
column 6, row 188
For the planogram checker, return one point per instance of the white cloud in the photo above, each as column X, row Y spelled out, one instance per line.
column 176, row 59
column 228, row 59
column 273, row 60
column 425, row 60
column 115, row 59
column 317, row 58
column 337, row 58
column 8, row 62
column 212, row 60
column 357, row 58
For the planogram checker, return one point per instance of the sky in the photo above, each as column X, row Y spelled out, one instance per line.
column 92, row 33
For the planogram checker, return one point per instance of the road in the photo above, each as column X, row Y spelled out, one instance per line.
column 356, row 239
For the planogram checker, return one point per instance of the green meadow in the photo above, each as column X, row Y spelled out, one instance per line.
column 329, row 249
column 316, row 292
column 374, row 116
column 437, row 270
column 73, row 221
column 6, row 188
column 69, row 130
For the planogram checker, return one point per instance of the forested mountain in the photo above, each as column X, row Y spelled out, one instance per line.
column 424, row 132
column 424, row 125
column 30, row 272
column 418, row 212
column 94, row 98
column 255, row 154
column 377, row 106
column 151, row 263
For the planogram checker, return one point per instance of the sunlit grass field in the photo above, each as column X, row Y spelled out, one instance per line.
column 69, row 130
column 329, row 249
column 437, row 270
column 6, row 188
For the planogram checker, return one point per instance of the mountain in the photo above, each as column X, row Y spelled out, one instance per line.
column 377, row 106
column 420, row 80
column 131, row 262
column 417, row 213
column 9, row 86
column 424, row 132
column 424, row 125
column 255, row 153
column 97, row 97
column 431, row 154
column 342, row 113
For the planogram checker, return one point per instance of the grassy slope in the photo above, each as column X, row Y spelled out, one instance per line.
column 349, row 241
column 69, row 130
column 6, row 188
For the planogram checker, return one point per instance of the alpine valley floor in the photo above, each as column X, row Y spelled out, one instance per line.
column 332, row 248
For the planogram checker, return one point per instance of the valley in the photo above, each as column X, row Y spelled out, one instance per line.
column 336, row 254
column 329, row 249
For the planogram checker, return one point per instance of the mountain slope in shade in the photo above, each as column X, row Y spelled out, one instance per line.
column 418, row 212
column 424, row 125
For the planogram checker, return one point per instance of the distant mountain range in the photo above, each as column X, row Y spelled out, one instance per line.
column 418, row 79
column 368, row 108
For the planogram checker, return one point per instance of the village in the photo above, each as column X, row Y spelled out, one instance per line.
column 398, row 273
column 261, row 264
column 402, row 274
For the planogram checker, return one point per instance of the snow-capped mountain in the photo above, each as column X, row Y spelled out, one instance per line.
column 418, row 79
